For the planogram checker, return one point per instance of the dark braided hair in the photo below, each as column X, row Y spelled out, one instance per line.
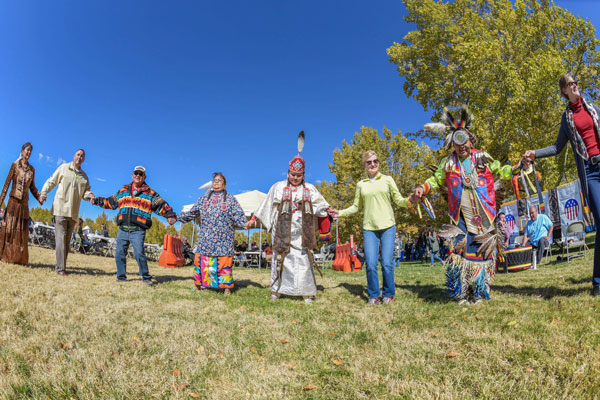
column 220, row 174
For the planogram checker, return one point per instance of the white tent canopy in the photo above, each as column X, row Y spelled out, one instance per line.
column 249, row 201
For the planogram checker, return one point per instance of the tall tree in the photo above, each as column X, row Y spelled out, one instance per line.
column 158, row 231
column 402, row 158
column 503, row 58
column 40, row 214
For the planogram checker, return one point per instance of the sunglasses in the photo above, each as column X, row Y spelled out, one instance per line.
column 138, row 173
column 571, row 84
column 372, row 162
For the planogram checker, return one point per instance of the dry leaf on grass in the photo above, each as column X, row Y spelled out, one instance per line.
column 284, row 341
column 175, row 372
column 309, row 387
column 529, row 369
column 420, row 300
column 260, row 359
column 511, row 323
column 253, row 350
column 178, row 387
column 452, row 354
column 338, row 362
column 403, row 326
column 294, row 322
column 331, row 333
column 195, row 395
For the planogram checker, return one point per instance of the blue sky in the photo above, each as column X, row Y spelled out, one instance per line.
column 187, row 88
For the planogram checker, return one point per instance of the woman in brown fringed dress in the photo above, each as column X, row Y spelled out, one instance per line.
column 14, row 234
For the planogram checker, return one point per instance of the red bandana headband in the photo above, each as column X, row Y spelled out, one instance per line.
column 297, row 164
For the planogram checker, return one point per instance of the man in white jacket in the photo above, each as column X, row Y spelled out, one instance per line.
column 73, row 186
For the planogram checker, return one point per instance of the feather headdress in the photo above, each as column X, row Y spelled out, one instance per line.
column 456, row 130
column 297, row 163
column 300, row 142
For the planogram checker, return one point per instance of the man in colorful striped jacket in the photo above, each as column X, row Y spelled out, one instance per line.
column 135, row 201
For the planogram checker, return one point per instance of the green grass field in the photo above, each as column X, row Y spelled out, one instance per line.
column 85, row 336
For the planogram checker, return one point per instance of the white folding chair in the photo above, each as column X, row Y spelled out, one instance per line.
column 575, row 237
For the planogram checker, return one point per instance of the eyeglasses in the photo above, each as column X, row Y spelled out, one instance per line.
column 138, row 173
column 218, row 180
column 572, row 83
column 372, row 162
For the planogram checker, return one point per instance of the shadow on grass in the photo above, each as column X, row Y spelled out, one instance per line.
column 72, row 270
column 580, row 280
column 171, row 278
column 355, row 289
column 429, row 293
column 545, row 292
column 245, row 283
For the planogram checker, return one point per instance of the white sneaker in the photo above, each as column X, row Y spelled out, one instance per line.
column 308, row 300
column 463, row 302
column 274, row 297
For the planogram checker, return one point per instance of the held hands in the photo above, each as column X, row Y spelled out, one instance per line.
column 42, row 199
column 529, row 156
column 416, row 195
column 333, row 213
column 248, row 224
column 171, row 220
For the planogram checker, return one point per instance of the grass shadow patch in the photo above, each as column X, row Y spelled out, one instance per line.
column 545, row 292
column 429, row 293
column 355, row 289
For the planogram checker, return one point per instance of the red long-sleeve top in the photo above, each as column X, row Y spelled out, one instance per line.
column 585, row 126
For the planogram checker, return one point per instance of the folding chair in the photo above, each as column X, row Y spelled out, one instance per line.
column 519, row 241
column 575, row 237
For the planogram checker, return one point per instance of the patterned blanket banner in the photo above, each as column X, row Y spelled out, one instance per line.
column 569, row 207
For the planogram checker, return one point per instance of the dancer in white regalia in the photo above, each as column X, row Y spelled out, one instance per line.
column 290, row 212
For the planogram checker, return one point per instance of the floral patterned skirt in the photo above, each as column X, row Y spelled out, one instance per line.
column 213, row 272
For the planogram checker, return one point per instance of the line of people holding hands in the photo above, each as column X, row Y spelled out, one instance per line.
column 293, row 206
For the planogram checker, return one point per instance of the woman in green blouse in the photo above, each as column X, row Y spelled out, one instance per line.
column 374, row 196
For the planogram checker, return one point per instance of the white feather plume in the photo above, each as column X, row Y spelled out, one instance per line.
column 436, row 127
column 300, row 141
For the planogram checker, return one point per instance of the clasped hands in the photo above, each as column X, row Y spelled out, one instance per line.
column 333, row 213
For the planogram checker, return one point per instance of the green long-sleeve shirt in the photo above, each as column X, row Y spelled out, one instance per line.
column 375, row 198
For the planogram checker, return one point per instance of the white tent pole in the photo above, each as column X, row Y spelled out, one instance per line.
column 259, row 248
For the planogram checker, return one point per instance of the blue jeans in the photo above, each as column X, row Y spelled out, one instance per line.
column 397, row 261
column 372, row 240
column 593, row 181
column 435, row 254
column 136, row 239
